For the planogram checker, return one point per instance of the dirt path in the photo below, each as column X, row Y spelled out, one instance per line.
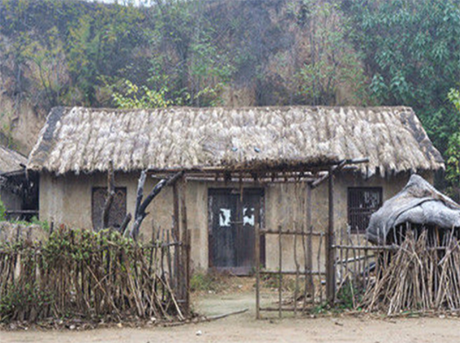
column 243, row 328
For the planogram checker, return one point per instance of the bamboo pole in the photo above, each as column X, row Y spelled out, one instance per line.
column 257, row 264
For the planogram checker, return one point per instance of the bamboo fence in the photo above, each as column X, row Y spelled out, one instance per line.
column 417, row 269
column 89, row 275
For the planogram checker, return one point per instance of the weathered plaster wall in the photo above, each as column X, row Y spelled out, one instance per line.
column 67, row 199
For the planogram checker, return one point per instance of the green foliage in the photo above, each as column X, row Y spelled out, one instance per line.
column 347, row 296
column 453, row 150
column 203, row 281
column 18, row 300
column 44, row 225
column 411, row 51
column 140, row 97
column 61, row 50
column 454, row 98
column 2, row 211
column 333, row 64
column 36, row 292
column 198, row 53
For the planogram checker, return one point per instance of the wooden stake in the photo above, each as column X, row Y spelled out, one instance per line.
column 330, row 256
column 309, row 262
column 257, row 264
column 176, row 233
column 280, row 275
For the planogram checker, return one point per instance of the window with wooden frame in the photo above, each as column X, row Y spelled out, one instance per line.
column 117, row 210
column 362, row 202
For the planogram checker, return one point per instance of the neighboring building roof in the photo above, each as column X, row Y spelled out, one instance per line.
column 87, row 139
column 417, row 203
column 11, row 161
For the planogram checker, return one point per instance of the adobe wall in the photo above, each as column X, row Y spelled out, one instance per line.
column 67, row 199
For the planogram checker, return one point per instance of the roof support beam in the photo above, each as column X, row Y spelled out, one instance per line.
column 337, row 168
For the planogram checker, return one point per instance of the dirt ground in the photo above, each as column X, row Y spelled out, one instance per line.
column 244, row 328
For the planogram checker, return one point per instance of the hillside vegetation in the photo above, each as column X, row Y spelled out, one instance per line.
column 230, row 53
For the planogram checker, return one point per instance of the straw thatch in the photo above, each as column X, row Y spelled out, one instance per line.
column 85, row 140
column 10, row 160
column 418, row 203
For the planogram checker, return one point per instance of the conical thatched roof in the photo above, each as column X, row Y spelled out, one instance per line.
column 11, row 160
column 417, row 203
column 85, row 139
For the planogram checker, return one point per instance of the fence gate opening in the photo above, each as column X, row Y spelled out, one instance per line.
column 299, row 274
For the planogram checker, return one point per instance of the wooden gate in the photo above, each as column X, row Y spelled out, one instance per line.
column 307, row 277
column 232, row 220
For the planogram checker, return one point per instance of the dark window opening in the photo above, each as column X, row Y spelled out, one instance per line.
column 362, row 202
column 117, row 210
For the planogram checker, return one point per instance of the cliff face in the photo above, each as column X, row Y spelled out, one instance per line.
column 230, row 53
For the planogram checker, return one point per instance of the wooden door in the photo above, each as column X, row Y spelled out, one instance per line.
column 232, row 220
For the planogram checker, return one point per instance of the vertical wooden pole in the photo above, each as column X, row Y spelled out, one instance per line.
column 309, row 257
column 280, row 292
column 185, row 274
column 257, row 263
column 176, row 234
column 330, row 272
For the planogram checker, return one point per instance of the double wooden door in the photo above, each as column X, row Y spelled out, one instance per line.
column 232, row 219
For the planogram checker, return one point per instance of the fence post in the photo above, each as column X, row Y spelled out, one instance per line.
column 176, row 235
column 257, row 262
column 330, row 253
column 186, row 240
column 280, row 273
column 187, row 272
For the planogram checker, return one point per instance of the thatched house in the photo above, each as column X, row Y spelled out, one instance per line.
column 17, row 192
column 243, row 166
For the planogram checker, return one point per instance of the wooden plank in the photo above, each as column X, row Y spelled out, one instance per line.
column 376, row 247
column 291, row 272
column 289, row 232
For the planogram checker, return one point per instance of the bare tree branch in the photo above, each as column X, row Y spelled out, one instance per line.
column 141, row 205
column 110, row 196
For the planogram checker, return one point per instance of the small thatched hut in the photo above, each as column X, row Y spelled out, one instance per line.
column 17, row 192
column 243, row 166
column 418, row 204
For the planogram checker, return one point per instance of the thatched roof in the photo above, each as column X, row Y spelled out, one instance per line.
column 86, row 139
column 11, row 160
column 417, row 203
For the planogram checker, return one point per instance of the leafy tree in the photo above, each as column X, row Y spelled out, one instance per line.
column 140, row 97
column 453, row 150
column 196, row 68
column 412, row 51
column 333, row 63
